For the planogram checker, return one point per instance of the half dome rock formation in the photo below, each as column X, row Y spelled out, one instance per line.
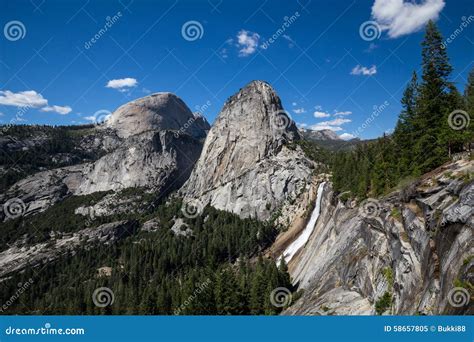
column 161, row 143
column 156, row 112
column 249, row 164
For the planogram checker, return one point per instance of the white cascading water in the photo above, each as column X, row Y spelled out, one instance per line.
column 295, row 246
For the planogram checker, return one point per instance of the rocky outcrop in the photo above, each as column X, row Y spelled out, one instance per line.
column 417, row 249
column 17, row 257
column 152, row 142
column 246, row 165
column 324, row 134
column 156, row 112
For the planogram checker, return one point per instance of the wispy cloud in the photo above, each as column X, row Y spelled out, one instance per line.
column 362, row 70
column 29, row 98
column 319, row 114
column 247, row 42
column 343, row 113
column 122, row 83
column 301, row 124
column 401, row 17
column 63, row 110
column 333, row 125
column 347, row 136
column 299, row 110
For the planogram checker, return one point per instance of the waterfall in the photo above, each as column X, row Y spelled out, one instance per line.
column 296, row 245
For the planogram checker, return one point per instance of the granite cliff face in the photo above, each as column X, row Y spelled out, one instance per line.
column 415, row 244
column 246, row 165
column 152, row 142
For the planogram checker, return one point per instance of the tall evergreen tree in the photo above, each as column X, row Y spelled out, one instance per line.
column 432, row 104
column 404, row 134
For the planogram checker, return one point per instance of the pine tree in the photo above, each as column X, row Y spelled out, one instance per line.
column 404, row 134
column 432, row 104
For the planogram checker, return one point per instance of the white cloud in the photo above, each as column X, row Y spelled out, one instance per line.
column 301, row 125
column 299, row 110
column 400, row 18
column 337, row 122
column 333, row 125
column 90, row 118
column 347, row 136
column 57, row 109
column 372, row 47
column 318, row 114
column 362, row 70
column 318, row 107
column 344, row 113
column 29, row 98
column 122, row 83
column 294, row 104
column 321, row 126
column 247, row 42
column 224, row 53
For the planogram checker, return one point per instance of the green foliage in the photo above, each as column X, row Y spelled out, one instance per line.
column 396, row 214
column 59, row 218
column 383, row 303
column 45, row 142
column 215, row 270
column 423, row 138
column 388, row 274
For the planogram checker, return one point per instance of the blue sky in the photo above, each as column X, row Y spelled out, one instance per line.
column 327, row 73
